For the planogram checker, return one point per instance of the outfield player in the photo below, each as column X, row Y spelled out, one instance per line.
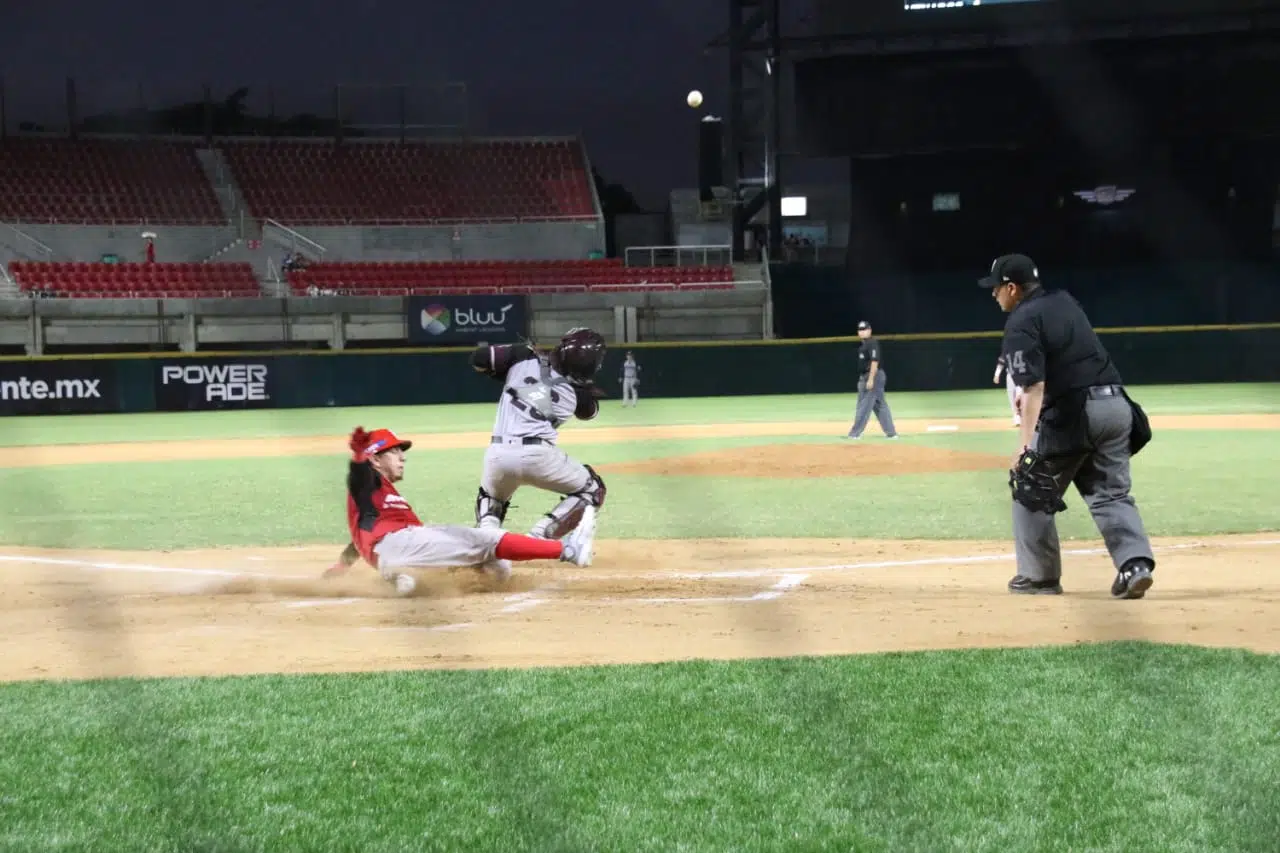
column 1015, row 393
column 630, row 381
column 387, row 533
column 540, row 392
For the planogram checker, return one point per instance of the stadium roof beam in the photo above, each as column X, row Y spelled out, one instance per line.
column 754, row 40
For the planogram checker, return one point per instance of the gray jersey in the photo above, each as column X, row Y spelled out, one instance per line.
column 630, row 370
column 535, row 402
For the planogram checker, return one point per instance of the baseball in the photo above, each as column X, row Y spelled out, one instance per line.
column 694, row 99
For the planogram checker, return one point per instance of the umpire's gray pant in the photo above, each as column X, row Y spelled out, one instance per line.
column 872, row 401
column 1101, row 476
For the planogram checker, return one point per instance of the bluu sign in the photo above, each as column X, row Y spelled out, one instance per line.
column 447, row 320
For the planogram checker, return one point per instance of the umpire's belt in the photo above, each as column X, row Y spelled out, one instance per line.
column 527, row 440
column 1102, row 392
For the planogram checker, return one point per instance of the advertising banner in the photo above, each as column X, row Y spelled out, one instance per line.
column 456, row 320
column 57, row 387
column 213, row 383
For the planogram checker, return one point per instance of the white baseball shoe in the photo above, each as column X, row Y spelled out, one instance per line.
column 579, row 544
column 405, row 585
column 499, row 570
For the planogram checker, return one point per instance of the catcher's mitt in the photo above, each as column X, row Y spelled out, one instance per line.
column 1033, row 486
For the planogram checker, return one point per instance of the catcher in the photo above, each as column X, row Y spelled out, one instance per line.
column 387, row 533
column 1078, row 426
column 540, row 393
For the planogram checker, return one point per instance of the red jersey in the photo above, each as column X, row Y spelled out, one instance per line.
column 374, row 509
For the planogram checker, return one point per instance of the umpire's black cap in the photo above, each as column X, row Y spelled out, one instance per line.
column 1010, row 269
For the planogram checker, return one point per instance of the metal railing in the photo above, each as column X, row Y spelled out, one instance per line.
column 29, row 243
column 297, row 242
column 140, row 294
column 340, row 289
column 203, row 222
column 678, row 256
column 766, row 330
column 426, row 221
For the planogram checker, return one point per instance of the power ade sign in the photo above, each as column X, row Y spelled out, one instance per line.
column 445, row 320
column 213, row 384
column 56, row 388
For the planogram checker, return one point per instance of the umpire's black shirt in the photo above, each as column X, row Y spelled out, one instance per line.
column 868, row 352
column 1048, row 339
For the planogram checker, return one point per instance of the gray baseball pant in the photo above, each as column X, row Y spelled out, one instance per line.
column 511, row 464
column 443, row 546
column 872, row 401
column 1101, row 476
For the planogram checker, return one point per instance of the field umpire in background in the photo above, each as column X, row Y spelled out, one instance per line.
column 1078, row 426
column 871, row 384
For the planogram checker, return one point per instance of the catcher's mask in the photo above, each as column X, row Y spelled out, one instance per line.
column 579, row 354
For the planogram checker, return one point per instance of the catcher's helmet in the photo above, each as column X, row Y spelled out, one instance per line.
column 579, row 354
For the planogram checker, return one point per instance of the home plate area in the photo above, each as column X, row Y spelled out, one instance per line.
column 239, row 611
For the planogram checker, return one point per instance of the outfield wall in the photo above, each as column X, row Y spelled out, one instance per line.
column 201, row 381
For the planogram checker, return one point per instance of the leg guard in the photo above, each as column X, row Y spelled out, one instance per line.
column 566, row 514
column 490, row 512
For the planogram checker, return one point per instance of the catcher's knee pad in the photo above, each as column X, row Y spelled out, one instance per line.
column 490, row 510
column 568, row 513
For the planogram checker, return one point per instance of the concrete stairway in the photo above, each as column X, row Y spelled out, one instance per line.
column 230, row 199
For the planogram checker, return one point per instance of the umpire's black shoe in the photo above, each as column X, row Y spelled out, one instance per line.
column 1134, row 579
column 1026, row 586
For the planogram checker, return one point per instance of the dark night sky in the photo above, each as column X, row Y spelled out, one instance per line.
column 617, row 72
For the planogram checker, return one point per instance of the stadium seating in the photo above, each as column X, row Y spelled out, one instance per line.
column 104, row 182
column 123, row 281
column 390, row 182
column 391, row 278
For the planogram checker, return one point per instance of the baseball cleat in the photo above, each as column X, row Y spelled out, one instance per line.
column 405, row 585
column 499, row 570
column 579, row 545
column 1133, row 580
column 1021, row 585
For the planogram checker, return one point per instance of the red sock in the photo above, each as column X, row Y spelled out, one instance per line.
column 514, row 546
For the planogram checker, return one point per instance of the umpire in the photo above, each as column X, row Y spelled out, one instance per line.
column 871, row 382
column 1078, row 426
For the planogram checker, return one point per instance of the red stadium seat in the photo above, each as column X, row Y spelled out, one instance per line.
column 104, row 182
column 135, row 280
column 412, row 182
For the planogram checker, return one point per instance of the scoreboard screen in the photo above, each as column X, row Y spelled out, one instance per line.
column 926, row 5
column 903, row 17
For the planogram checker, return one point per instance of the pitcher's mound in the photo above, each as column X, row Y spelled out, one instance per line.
column 849, row 459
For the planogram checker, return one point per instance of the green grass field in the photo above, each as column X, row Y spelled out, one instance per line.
column 1106, row 747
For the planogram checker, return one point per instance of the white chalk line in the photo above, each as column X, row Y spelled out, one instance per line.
column 419, row 629
column 901, row 564
column 326, row 602
column 94, row 565
column 786, row 584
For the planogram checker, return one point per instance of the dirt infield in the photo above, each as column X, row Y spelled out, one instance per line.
column 261, row 610
column 86, row 615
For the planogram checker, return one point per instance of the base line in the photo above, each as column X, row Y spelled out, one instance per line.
column 786, row 584
column 708, row 575
column 326, row 602
column 899, row 564
column 421, row 629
